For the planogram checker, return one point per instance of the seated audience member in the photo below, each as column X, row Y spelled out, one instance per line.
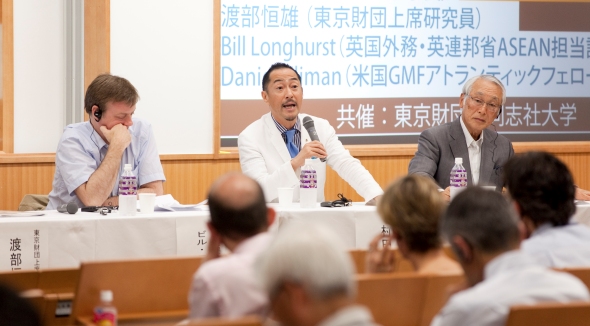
column 274, row 148
column 542, row 189
column 226, row 286
column 91, row 155
column 483, row 150
column 412, row 207
column 16, row 310
column 308, row 277
column 483, row 230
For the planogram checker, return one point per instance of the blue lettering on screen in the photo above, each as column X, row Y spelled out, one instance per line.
column 233, row 77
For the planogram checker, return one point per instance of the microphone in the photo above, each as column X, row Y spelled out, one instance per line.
column 309, row 126
column 70, row 207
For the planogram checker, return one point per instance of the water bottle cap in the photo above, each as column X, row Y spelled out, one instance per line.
column 127, row 167
column 458, row 160
column 309, row 161
column 106, row 295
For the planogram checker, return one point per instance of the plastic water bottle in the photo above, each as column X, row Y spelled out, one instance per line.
column 458, row 177
column 128, row 182
column 105, row 314
column 128, row 192
column 308, row 185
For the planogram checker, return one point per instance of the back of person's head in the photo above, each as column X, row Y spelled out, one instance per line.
column 412, row 206
column 542, row 186
column 15, row 310
column 311, row 256
column 484, row 218
column 275, row 66
column 237, row 206
column 108, row 88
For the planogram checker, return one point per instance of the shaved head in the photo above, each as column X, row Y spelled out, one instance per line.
column 237, row 206
column 235, row 190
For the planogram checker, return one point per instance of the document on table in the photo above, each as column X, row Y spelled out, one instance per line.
column 21, row 213
column 168, row 203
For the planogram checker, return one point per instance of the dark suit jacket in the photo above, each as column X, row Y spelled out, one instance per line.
column 438, row 146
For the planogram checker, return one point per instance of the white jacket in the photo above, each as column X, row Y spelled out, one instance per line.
column 265, row 158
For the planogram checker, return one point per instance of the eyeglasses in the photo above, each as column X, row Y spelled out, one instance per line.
column 478, row 103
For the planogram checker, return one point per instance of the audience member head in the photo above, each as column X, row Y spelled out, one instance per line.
column 542, row 187
column 237, row 207
column 15, row 310
column 412, row 207
column 108, row 88
column 278, row 65
column 307, row 274
column 480, row 225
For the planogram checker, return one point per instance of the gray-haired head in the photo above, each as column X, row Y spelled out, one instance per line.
column 484, row 218
column 309, row 255
column 469, row 84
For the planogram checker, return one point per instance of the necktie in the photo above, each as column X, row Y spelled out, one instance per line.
column 293, row 150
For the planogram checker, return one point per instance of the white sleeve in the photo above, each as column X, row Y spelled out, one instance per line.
column 201, row 299
column 254, row 165
column 348, row 168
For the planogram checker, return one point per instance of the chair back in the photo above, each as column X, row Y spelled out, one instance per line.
column 550, row 314
column 20, row 281
column 33, row 203
column 47, row 289
column 222, row 321
column 437, row 294
column 147, row 288
column 583, row 273
column 394, row 299
column 359, row 258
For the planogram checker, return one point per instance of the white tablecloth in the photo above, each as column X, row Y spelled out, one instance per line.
column 57, row 240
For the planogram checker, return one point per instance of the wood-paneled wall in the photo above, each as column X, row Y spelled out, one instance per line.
column 189, row 179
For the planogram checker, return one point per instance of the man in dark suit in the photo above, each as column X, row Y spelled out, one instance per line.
column 484, row 151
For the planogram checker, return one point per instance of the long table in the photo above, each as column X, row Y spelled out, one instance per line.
column 57, row 240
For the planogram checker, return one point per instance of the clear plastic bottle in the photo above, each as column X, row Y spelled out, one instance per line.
column 128, row 192
column 458, row 177
column 105, row 314
column 308, row 185
column 128, row 182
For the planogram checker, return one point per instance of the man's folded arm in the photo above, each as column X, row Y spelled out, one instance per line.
column 96, row 191
column 156, row 187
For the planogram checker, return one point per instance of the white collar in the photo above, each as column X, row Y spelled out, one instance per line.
column 468, row 138
column 507, row 261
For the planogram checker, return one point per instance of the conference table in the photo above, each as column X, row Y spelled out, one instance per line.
column 58, row 240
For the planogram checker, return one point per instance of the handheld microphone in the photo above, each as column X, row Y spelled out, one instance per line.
column 70, row 207
column 309, row 126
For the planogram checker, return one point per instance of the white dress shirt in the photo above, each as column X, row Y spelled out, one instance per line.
column 512, row 278
column 474, row 149
column 227, row 286
column 354, row 315
column 560, row 246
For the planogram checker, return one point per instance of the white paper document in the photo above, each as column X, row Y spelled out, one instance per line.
column 168, row 203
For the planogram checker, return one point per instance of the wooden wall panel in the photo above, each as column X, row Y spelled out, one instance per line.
column 7, row 98
column 189, row 179
column 97, row 39
column 19, row 179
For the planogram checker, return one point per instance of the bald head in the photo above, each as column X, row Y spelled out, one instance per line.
column 237, row 206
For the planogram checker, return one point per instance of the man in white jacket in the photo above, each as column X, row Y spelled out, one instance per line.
column 273, row 148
